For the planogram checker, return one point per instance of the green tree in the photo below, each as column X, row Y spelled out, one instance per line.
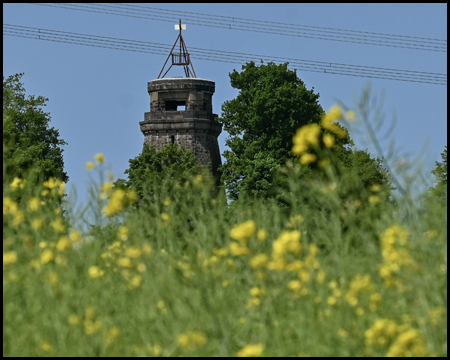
column 261, row 121
column 172, row 163
column 28, row 140
column 368, row 170
column 440, row 172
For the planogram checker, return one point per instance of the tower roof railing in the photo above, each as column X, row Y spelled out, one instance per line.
column 180, row 58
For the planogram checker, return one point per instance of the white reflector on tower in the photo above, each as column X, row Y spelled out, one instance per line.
column 183, row 27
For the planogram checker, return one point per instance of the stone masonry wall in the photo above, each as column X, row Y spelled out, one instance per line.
column 205, row 146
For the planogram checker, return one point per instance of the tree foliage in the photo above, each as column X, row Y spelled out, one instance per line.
column 261, row 121
column 440, row 172
column 151, row 167
column 28, row 140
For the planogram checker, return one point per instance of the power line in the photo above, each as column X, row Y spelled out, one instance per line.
column 268, row 27
column 223, row 56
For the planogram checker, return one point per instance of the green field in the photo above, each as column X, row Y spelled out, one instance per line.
column 325, row 268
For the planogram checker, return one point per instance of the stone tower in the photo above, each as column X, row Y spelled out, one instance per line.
column 181, row 113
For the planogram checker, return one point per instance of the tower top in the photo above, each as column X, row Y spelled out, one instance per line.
column 181, row 58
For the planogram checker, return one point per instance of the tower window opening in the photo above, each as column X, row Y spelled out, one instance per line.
column 175, row 105
column 172, row 139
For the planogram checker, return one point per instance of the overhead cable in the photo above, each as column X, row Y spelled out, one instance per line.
column 267, row 27
column 224, row 56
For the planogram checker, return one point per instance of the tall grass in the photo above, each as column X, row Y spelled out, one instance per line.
column 187, row 275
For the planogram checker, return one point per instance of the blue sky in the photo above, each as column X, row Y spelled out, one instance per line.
column 97, row 96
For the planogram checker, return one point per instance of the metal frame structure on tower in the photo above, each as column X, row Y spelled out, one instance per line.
column 182, row 58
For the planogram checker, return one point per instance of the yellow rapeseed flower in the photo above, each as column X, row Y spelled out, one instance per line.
column 242, row 232
column 106, row 187
column 307, row 158
column 18, row 218
column 375, row 188
column 437, row 314
column 253, row 350
column 375, row 301
column 63, row 243
column 253, row 302
column 133, row 252
column 329, row 118
column 262, row 234
column 155, row 349
column 125, row 262
column 74, row 319
column 222, row 252
column 295, row 220
column 160, row 304
column 259, row 261
column 112, row 335
column 15, row 183
column 288, row 241
column 303, row 275
column 278, row 264
column 58, row 225
column 331, row 300
column 191, row 340
column 134, row 282
column 123, row 233
column 294, row 285
column 9, row 257
column 350, row 115
column 115, row 204
column 90, row 165
column 46, row 346
column 295, row 265
column 165, row 217
column 321, row 276
column 74, row 235
column 256, row 291
column 99, row 157
column 141, row 267
column 373, row 199
column 47, row 256
column 53, row 183
column 147, row 249
column 95, row 272
column 62, row 189
column 304, row 137
column 9, row 206
column 91, row 327
column 409, row 343
column 328, row 140
column 333, row 284
column 34, row 203
column 238, row 249
column 380, row 332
